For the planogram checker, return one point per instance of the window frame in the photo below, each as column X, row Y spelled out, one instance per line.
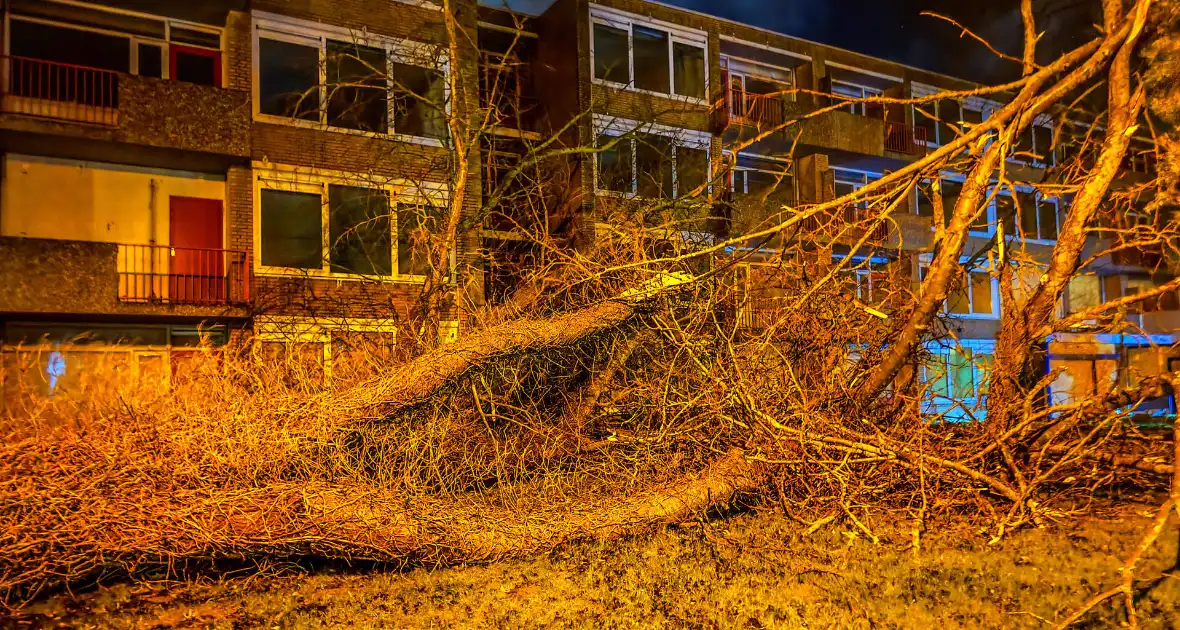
column 924, row 262
column 686, row 138
column 676, row 34
column 949, row 407
column 316, row 35
column 1038, row 199
column 269, row 176
column 866, row 91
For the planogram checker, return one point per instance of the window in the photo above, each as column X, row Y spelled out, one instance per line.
column 958, row 374
column 1035, row 146
column 854, row 91
column 663, row 163
column 974, row 294
column 951, row 190
column 944, row 120
column 1035, row 214
column 291, row 230
column 331, row 225
column 372, row 85
column 150, row 47
column 359, row 231
column 647, row 56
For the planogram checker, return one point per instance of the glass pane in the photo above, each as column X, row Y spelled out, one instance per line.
column 981, row 293
column 1028, row 214
column 692, row 169
column 288, row 79
column 925, row 118
column 935, row 375
column 983, row 370
column 291, row 229
column 1047, row 216
column 651, row 59
column 770, row 186
column 925, row 205
column 971, row 117
column 688, row 65
column 419, row 101
column 1024, row 144
column 948, row 113
column 357, row 88
column 950, row 197
column 358, row 230
column 962, row 372
column 653, row 165
column 196, row 68
column 1006, row 212
column 957, row 301
column 614, row 164
column 610, row 54
column 1043, row 138
column 1112, row 288
column 151, row 60
column 415, row 225
column 66, row 45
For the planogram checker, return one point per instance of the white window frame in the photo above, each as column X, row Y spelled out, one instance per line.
column 972, row 103
column 959, row 178
column 316, row 35
column 676, row 34
column 268, row 176
column 958, row 409
column 618, row 127
column 749, row 68
column 788, row 172
column 1038, row 198
column 924, row 262
column 856, row 108
column 865, row 177
column 1045, row 122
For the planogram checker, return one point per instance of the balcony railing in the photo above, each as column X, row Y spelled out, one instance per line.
column 754, row 109
column 849, row 223
column 903, row 138
column 757, row 313
column 48, row 89
column 160, row 274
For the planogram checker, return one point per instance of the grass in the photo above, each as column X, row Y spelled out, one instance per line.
column 753, row 570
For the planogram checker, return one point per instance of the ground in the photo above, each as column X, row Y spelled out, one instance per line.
column 753, row 570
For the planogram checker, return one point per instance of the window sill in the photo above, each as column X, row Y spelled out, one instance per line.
column 317, row 126
column 626, row 87
column 992, row 317
column 319, row 274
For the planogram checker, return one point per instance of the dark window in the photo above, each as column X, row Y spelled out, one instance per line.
column 925, row 117
column 359, row 231
column 1043, row 139
column 291, row 230
column 651, row 59
column 415, row 226
column 1024, row 144
column 1006, row 212
column 356, row 87
column 972, row 117
column 288, row 79
column 692, row 170
column 950, row 198
column 1028, row 214
column 195, row 37
column 195, row 65
column 1047, row 217
column 949, row 113
column 614, row 164
column 419, row 101
column 610, row 54
column 653, row 166
column 67, row 45
column 925, row 205
column 151, row 60
column 688, row 65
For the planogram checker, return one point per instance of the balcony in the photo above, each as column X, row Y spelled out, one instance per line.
column 846, row 225
column 756, row 110
column 756, row 313
column 46, row 89
column 905, row 139
column 82, row 277
column 37, row 95
column 160, row 274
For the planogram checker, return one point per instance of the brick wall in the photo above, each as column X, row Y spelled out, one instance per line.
column 383, row 17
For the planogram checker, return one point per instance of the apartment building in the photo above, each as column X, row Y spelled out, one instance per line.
column 265, row 166
column 187, row 174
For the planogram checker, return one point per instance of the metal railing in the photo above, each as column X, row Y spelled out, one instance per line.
column 161, row 274
column 754, row 109
column 49, row 89
column 757, row 313
column 903, row 138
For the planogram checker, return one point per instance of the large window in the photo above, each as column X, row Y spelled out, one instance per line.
column 648, row 56
column 951, row 190
column 659, row 164
column 1035, row 145
column 854, row 91
column 1032, row 216
column 946, row 119
column 973, row 294
column 956, row 378
column 331, row 226
column 341, row 81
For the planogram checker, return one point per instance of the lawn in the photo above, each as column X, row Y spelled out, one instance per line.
column 755, row 571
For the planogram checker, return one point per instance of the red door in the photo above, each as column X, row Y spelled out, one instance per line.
column 197, row 271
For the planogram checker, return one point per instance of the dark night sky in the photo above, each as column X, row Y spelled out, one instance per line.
column 895, row 30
